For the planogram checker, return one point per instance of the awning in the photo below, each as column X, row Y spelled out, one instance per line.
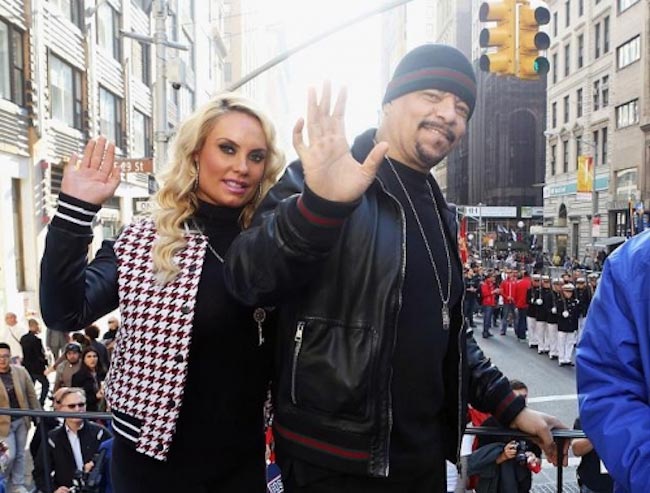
column 549, row 230
column 611, row 241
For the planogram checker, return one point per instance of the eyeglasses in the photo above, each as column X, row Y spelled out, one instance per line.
column 75, row 405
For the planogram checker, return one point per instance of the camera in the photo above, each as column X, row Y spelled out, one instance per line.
column 521, row 458
column 91, row 481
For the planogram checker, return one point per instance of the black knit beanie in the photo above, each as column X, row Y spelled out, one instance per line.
column 434, row 66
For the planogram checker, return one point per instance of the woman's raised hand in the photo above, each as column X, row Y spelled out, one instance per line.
column 330, row 170
column 95, row 177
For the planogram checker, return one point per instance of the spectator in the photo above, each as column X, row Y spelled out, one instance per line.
column 521, row 302
column 92, row 333
column 505, row 467
column 11, row 334
column 109, row 336
column 489, row 293
column 89, row 378
column 508, row 290
column 68, row 367
column 613, row 367
column 56, row 340
column 592, row 475
column 71, row 447
column 49, row 423
column 34, row 359
column 81, row 339
column 472, row 286
column 17, row 392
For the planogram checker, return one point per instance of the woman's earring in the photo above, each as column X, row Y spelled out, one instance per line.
column 196, row 178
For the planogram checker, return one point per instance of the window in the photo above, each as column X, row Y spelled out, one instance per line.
column 227, row 72
column 108, row 30
column 579, row 103
column 581, row 8
column 606, row 35
column 597, row 41
column 567, row 13
column 65, row 93
column 581, row 50
column 110, row 116
column 554, row 68
column 595, row 149
column 141, row 61
column 605, row 90
column 553, row 157
column 12, row 66
column 627, row 114
column 565, row 156
column 72, row 10
column 596, row 95
column 578, row 148
column 626, row 184
column 141, row 135
column 628, row 52
column 623, row 5
column 566, row 109
column 604, row 146
column 554, row 115
column 554, row 24
column 567, row 60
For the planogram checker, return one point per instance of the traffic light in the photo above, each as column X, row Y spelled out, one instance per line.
column 503, row 37
column 529, row 64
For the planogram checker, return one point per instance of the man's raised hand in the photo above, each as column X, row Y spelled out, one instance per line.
column 330, row 170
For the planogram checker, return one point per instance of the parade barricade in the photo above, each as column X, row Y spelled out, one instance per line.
column 558, row 435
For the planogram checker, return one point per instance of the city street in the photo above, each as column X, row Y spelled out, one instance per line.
column 551, row 389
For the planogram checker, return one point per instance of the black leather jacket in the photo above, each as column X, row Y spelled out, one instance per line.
column 339, row 291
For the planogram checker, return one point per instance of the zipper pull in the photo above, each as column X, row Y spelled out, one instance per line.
column 299, row 329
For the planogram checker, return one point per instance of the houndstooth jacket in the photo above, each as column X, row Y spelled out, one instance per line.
column 146, row 380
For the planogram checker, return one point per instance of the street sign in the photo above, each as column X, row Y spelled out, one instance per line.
column 143, row 165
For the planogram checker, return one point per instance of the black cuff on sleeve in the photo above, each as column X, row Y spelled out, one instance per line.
column 322, row 212
column 509, row 408
column 74, row 215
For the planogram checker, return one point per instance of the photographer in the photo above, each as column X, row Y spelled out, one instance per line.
column 505, row 468
column 71, row 447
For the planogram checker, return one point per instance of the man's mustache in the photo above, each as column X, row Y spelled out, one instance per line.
column 429, row 125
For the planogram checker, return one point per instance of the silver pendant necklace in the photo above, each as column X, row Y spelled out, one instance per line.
column 446, row 318
column 259, row 314
column 207, row 241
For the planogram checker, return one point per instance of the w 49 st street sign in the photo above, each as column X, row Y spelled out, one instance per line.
column 143, row 165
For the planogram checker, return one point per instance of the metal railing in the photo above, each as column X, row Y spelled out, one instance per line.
column 558, row 435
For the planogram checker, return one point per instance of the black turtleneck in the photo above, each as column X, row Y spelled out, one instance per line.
column 228, row 371
column 418, row 382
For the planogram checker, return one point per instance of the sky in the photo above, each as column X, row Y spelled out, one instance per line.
column 350, row 57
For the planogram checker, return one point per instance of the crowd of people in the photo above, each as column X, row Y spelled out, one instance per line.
column 77, row 363
column 547, row 313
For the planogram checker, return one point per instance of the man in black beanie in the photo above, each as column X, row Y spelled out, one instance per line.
column 374, row 367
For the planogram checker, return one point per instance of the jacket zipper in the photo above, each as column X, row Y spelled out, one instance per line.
column 399, row 308
column 296, row 353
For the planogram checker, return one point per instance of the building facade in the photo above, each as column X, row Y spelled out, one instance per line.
column 71, row 70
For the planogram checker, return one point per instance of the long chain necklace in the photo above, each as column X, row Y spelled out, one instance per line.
column 259, row 314
column 207, row 241
column 446, row 318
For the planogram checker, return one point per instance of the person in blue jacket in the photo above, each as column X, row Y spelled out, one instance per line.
column 613, row 367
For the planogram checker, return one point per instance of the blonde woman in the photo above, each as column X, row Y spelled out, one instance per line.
column 190, row 368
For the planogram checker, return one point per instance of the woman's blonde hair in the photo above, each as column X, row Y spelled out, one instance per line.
column 176, row 201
